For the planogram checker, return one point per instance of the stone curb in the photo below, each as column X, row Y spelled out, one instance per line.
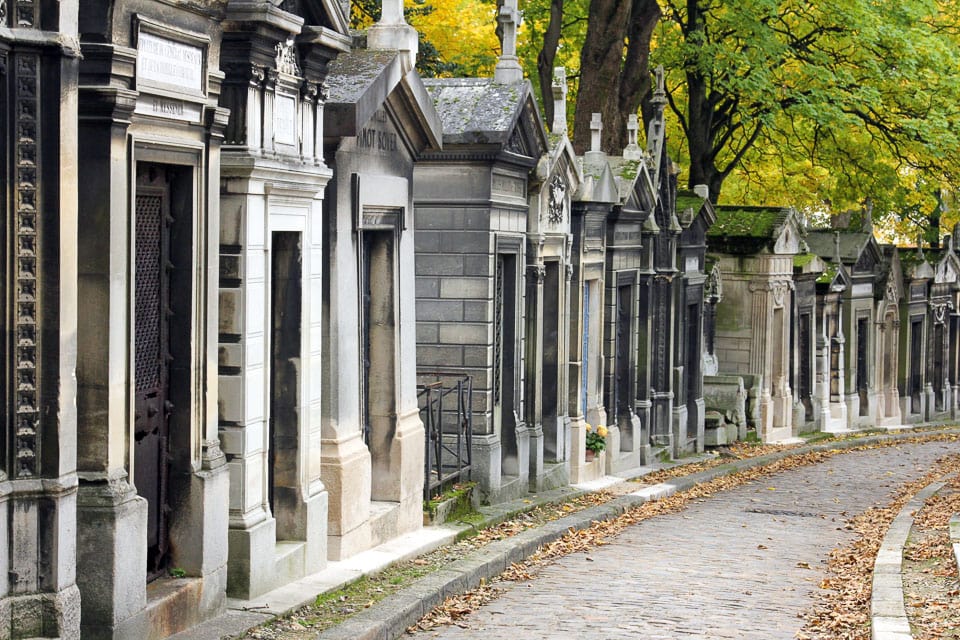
column 888, row 614
column 392, row 616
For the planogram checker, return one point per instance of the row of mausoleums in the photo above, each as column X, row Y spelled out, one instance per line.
column 826, row 329
column 264, row 288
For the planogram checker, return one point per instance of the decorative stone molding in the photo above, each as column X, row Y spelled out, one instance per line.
column 287, row 58
column 557, row 193
column 26, row 379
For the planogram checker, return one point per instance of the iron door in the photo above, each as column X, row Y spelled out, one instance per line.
column 151, row 357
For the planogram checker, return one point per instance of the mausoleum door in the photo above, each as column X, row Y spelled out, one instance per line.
column 916, row 364
column 862, row 381
column 805, row 383
column 504, row 356
column 938, row 366
column 152, row 316
column 551, row 361
column 622, row 386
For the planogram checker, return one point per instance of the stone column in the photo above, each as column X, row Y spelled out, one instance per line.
column 111, row 517
column 761, row 357
column 38, row 480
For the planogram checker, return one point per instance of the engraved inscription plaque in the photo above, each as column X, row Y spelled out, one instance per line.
column 285, row 120
column 168, row 64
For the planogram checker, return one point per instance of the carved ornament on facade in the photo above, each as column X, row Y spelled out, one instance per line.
column 713, row 287
column 26, row 330
column 287, row 58
column 537, row 271
column 3, row 10
column 557, row 191
column 891, row 293
column 940, row 311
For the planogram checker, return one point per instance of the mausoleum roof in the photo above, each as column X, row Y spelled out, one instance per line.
column 745, row 229
column 852, row 243
column 476, row 110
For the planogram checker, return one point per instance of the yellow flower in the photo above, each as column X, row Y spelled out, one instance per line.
column 602, row 431
column 587, row 427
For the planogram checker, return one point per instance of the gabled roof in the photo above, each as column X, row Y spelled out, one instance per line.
column 481, row 112
column 598, row 183
column 691, row 205
column 889, row 273
column 362, row 81
column 914, row 263
column 746, row 230
column 852, row 244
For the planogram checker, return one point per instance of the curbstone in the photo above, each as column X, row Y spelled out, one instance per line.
column 888, row 614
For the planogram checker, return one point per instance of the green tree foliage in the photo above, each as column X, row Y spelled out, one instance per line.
column 820, row 102
column 452, row 40
column 820, row 105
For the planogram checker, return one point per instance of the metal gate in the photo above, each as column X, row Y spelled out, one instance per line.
column 151, row 358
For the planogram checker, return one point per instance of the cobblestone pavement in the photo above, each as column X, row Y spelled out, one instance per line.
column 731, row 566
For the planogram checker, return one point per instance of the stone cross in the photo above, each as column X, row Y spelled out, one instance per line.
column 559, row 101
column 508, row 70
column 836, row 246
column 596, row 129
column 632, row 151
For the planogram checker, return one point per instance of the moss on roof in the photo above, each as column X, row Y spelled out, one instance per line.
column 748, row 222
column 828, row 274
column 803, row 259
column 691, row 201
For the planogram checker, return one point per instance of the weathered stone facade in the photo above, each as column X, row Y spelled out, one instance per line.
column 218, row 315
column 472, row 210
column 378, row 120
column 39, row 56
column 755, row 248
column 153, row 480
column 272, row 182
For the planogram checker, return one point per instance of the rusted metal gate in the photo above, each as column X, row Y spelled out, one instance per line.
column 446, row 411
column 151, row 358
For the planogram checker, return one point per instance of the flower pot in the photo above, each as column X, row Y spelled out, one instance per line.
column 590, row 455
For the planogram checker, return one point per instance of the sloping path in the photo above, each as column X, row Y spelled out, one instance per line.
column 741, row 564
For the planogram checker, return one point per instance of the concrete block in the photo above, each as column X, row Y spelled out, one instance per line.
column 440, row 310
column 440, row 265
column 466, row 288
column 427, row 287
column 464, row 333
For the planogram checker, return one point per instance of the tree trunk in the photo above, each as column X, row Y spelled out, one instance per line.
column 547, row 56
column 613, row 83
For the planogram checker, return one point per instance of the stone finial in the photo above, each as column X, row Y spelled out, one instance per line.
column 632, row 151
column 559, row 101
column 867, row 222
column 920, row 246
column 392, row 32
column 659, row 99
column 508, row 69
column 596, row 129
column 656, row 134
column 702, row 190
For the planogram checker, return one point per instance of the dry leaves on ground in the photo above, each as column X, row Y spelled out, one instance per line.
column 842, row 607
column 931, row 583
column 600, row 531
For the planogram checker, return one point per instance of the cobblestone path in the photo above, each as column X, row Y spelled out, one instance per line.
column 730, row 566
